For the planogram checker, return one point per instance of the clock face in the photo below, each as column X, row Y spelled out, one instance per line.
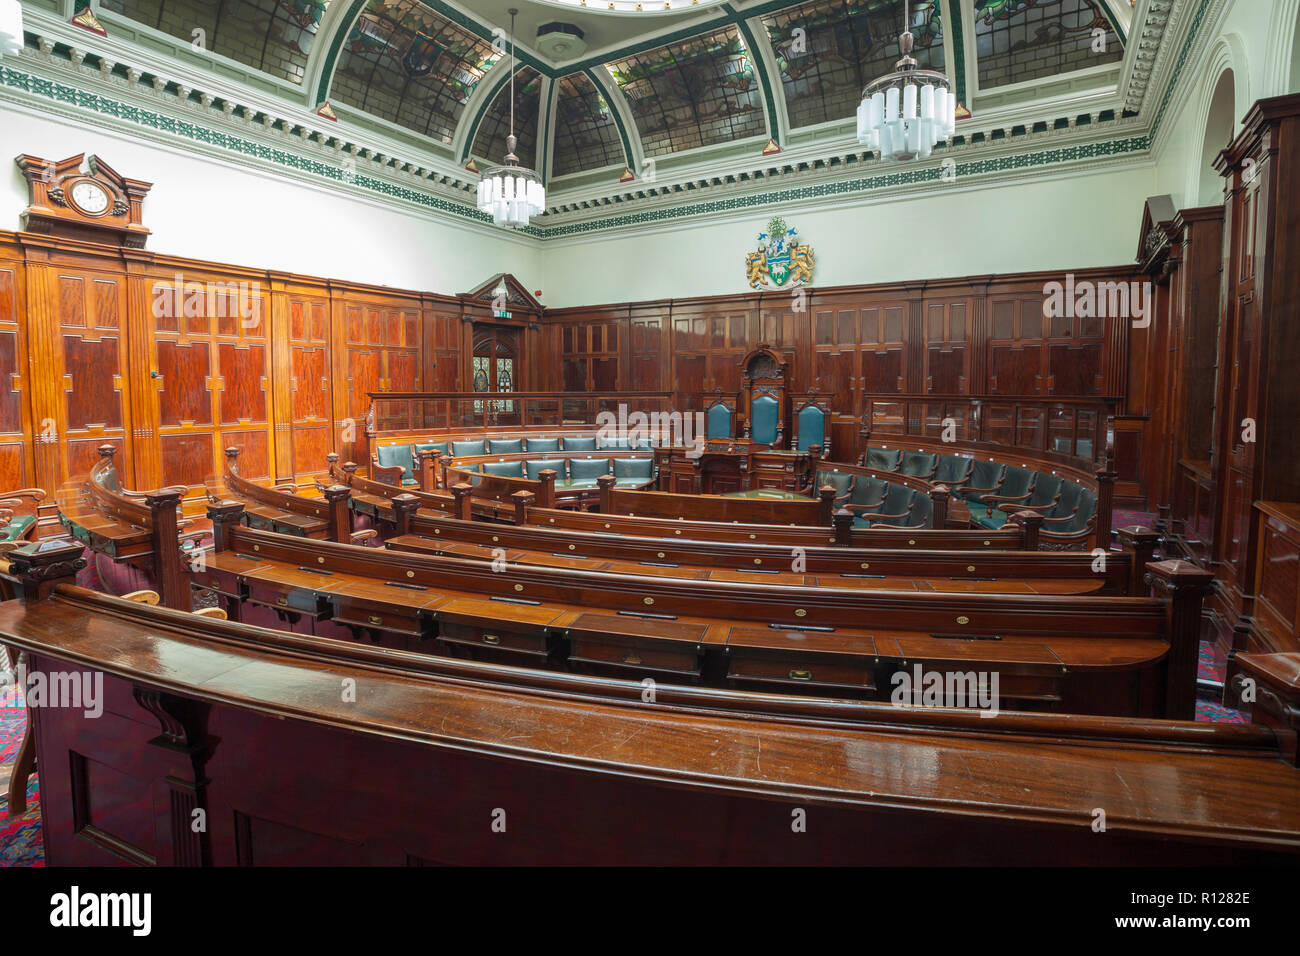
column 90, row 197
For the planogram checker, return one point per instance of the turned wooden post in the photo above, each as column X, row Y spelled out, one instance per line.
column 224, row 515
column 1269, row 685
column 350, row 470
column 843, row 521
column 40, row 565
column 940, row 495
column 1141, row 544
column 864, row 434
column 523, row 501
column 331, row 464
column 606, row 484
column 546, row 494
column 1105, row 500
column 444, row 462
column 815, row 455
column 1163, row 524
column 1030, row 523
column 340, row 515
column 171, row 573
column 1182, row 586
column 461, row 507
column 232, row 460
column 404, row 507
column 425, row 472
column 825, row 504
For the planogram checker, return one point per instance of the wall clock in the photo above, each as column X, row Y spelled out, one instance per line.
column 87, row 201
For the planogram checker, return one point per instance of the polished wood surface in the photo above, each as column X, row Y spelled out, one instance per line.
column 585, row 769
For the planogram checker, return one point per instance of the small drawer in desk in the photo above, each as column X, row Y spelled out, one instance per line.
column 285, row 597
column 821, row 662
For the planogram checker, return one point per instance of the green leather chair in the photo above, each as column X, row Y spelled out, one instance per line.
column 578, row 444
column 717, row 420
column 505, row 446
column 612, row 444
column 1078, row 520
column 766, row 414
column 810, row 427
column 868, row 492
column 583, row 472
column 985, row 479
column 13, row 531
column 1017, row 486
column 919, row 464
column 884, row 459
column 468, row 449
column 395, row 456
column 504, row 469
column 541, row 445
column 633, row 471
column 953, row 471
column 534, row 468
column 839, row 480
column 893, row 509
column 439, row 446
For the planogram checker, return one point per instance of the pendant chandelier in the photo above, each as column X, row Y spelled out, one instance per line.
column 11, row 27
column 511, row 194
column 905, row 113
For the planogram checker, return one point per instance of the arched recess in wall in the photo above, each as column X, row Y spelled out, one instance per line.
column 1220, row 124
column 1223, row 90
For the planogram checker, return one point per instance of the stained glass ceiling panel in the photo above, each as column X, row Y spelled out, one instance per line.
column 828, row 50
column 697, row 92
column 1019, row 40
column 586, row 136
column 274, row 36
column 490, row 141
column 404, row 63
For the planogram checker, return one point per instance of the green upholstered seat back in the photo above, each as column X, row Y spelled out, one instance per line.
column 986, row 474
column 391, row 456
column 718, row 421
column 869, row 491
column 439, row 446
column 16, row 526
column 504, row 469
column 1087, row 511
column 896, row 499
column 1046, row 488
column 883, row 459
column 922, row 511
column 1019, row 481
column 1071, row 492
column 587, row 468
column 952, row 470
column 838, row 480
column 612, row 444
column 505, row 446
column 464, row 449
column 575, row 443
column 811, row 426
column 919, row 464
column 763, row 428
column 641, row 469
column 536, row 466
column 541, row 444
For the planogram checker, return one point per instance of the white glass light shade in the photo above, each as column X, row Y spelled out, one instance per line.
column 905, row 114
column 511, row 195
column 11, row 27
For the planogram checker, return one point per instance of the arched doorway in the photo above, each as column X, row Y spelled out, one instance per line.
column 495, row 369
column 1220, row 123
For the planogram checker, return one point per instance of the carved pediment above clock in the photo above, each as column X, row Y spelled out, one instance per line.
column 83, row 198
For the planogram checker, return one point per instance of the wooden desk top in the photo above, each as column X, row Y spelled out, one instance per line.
column 1218, row 783
column 483, row 552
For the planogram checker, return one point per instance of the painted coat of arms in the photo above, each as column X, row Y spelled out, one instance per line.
column 781, row 261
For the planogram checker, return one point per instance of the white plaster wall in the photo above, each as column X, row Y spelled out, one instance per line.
column 1043, row 222
column 205, row 209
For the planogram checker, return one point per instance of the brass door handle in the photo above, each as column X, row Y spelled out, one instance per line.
column 491, row 639
column 376, row 619
column 801, row 675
